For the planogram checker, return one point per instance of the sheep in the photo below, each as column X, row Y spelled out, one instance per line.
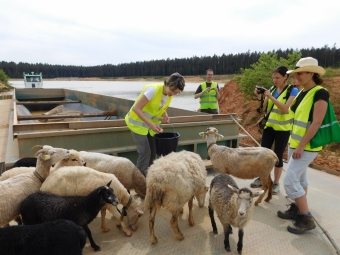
column 233, row 206
column 53, row 238
column 14, row 190
column 125, row 171
column 73, row 160
column 73, row 181
column 172, row 181
column 44, row 206
column 29, row 161
column 244, row 163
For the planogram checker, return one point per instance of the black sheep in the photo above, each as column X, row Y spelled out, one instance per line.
column 26, row 162
column 43, row 206
column 53, row 238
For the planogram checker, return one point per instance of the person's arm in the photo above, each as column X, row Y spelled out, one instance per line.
column 282, row 107
column 138, row 110
column 320, row 108
column 199, row 92
column 217, row 89
column 166, row 119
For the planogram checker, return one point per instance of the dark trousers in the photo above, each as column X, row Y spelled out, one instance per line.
column 280, row 138
column 210, row 111
column 146, row 149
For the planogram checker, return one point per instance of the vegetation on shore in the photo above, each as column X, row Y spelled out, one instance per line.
column 4, row 85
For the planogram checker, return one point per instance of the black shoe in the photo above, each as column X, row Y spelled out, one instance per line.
column 302, row 223
column 290, row 213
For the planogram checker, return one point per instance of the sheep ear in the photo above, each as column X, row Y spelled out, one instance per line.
column 257, row 193
column 219, row 136
column 235, row 190
column 202, row 134
column 37, row 147
column 38, row 152
column 109, row 183
column 47, row 157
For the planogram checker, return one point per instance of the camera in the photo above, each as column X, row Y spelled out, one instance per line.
column 260, row 90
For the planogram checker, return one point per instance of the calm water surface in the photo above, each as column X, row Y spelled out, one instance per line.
column 123, row 89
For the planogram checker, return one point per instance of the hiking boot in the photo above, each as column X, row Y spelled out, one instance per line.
column 302, row 223
column 290, row 213
column 276, row 188
column 256, row 183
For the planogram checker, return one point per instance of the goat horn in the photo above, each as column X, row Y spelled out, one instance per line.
column 37, row 147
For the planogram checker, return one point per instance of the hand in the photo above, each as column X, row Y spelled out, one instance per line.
column 207, row 89
column 297, row 153
column 156, row 129
column 166, row 119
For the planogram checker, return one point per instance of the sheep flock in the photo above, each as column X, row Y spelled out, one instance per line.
column 172, row 181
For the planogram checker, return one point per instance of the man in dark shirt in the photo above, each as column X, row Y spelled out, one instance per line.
column 208, row 92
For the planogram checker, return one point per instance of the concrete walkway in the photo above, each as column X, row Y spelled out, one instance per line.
column 265, row 233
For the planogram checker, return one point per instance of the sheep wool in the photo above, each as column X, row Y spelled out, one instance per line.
column 172, row 181
column 125, row 171
column 80, row 181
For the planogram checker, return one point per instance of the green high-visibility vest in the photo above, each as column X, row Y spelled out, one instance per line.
column 208, row 100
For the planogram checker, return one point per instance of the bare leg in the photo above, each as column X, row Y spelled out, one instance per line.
column 191, row 218
column 152, row 215
column 174, row 225
column 277, row 174
column 302, row 204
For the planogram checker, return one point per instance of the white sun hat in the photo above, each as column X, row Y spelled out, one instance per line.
column 308, row 64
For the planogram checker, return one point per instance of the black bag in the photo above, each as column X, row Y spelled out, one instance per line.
column 261, row 124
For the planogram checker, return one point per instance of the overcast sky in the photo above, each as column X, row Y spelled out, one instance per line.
column 102, row 32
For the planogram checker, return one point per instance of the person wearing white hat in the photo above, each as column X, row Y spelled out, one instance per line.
column 309, row 109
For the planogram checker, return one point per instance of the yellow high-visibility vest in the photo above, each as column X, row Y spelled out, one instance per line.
column 208, row 100
column 278, row 120
column 301, row 122
column 151, row 110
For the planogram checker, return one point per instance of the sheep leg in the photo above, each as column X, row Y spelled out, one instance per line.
column 89, row 235
column 103, row 225
column 240, row 241
column 264, row 181
column 174, row 225
column 226, row 228
column 152, row 215
column 212, row 219
column 270, row 189
column 121, row 223
column 191, row 217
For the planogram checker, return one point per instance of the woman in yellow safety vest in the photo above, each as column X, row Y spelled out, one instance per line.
column 277, row 130
column 146, row 115
column 309, row 109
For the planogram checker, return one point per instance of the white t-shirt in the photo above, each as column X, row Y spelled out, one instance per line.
column 150, row 93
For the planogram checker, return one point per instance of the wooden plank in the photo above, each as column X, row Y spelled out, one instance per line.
column 47, row 102
column 65, row 116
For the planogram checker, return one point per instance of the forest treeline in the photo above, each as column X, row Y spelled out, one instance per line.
column 225, row 64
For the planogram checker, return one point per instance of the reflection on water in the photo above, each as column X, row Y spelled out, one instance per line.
column 123, row 89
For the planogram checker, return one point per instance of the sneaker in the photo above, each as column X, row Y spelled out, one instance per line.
column 256, row 183
column 276, row 188
column 302, row 223
column 291, row 213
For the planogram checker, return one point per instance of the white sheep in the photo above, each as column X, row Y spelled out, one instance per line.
column 244, row 163
column 14, row 190
column 171, row 182
column 73, row 160
column 125, row 171
column 80, row 181
column 233, row 207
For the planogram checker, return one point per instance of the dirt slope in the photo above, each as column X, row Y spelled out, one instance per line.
column 231, row 101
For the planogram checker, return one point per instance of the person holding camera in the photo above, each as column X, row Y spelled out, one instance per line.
column 209, row 93
column 277, row 128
